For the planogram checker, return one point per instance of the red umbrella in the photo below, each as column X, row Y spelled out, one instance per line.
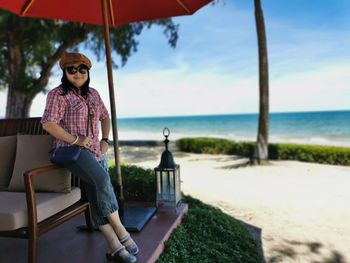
column 90, row 11
column 107, row 13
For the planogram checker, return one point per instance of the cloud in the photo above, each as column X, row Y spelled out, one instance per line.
column 324, row 88
column 180, row 91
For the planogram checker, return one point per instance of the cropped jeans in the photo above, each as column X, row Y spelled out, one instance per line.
column 98, row 186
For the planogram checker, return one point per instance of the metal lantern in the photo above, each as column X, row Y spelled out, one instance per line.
column 168, row 177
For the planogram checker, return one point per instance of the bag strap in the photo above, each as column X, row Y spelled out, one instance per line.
column 89, row 122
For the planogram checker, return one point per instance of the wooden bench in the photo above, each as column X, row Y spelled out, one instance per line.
column 31, row 209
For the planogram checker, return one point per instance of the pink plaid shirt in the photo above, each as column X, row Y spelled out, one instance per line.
column 71, row 113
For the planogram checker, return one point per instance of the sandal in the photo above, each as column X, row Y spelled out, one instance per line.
column 133, row 248
column 118, row 256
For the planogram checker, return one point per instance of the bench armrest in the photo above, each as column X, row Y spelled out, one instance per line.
column 30, row 191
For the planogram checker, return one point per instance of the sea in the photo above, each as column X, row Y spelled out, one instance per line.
column 316, row 128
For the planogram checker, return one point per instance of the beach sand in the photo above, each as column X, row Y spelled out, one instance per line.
column 298, row 212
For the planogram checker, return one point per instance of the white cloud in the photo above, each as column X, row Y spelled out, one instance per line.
column 316, row 89
column 182, row 92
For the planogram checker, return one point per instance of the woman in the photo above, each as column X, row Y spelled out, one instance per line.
column 72, row 114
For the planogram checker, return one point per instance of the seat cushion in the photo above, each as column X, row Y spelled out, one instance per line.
column 7, row 159
column 32, row 152
column 13, row 207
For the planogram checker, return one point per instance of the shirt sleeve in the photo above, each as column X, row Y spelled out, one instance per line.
column 55, row 107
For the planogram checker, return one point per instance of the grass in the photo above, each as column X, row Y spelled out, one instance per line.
column 206, row 234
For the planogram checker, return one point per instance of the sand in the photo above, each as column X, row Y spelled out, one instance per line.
column 298, row 212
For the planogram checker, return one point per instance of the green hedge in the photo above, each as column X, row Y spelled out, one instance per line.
column 208, row 235
column 300, row 152
column 138, row 183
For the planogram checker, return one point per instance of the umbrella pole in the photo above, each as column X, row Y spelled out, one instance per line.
column 113, row 109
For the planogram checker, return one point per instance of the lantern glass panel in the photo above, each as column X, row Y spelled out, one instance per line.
column 165, row 185
column 172, row 183
column 177, row 185
column 159, row 181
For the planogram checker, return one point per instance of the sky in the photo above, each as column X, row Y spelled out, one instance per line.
column 214, row 67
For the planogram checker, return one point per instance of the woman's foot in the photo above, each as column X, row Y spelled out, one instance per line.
column 130, row 244
column 121, row 255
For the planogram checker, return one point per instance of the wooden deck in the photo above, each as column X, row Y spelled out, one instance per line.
column 66, row 245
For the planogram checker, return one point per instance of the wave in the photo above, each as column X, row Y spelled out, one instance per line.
column 153, row 136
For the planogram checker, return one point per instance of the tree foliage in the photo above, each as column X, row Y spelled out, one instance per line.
column 31, row 47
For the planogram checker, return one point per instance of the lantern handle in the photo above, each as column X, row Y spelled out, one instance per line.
column 166, row 132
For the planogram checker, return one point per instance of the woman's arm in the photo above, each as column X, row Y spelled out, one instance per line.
column 105, row 126
column 58, row 132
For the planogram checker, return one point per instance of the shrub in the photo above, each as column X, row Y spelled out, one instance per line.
column 204, row 145
column 138, row 183
column 306, row 153
column 310, row 153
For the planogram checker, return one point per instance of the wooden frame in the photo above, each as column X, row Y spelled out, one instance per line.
column 35, row 229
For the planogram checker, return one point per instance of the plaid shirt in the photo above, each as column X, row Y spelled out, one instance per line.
column 71, row 113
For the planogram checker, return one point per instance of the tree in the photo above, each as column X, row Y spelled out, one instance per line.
column 261, row 154
column 29, row 49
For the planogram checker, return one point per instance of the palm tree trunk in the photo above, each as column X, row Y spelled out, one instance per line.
column 261, row 154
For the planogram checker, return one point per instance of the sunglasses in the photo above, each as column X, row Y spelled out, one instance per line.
column 73, row 70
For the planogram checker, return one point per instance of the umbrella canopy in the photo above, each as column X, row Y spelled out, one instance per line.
column 90, row 11
column 107, row 13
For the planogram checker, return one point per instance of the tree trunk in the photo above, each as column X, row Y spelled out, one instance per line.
column 18, row 104
column 261, row 154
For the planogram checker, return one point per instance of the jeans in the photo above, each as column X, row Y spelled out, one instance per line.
column 98, row 186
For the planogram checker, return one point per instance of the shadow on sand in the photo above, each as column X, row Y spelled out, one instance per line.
column 288, row 250
column 288, row 253
column 134, row 152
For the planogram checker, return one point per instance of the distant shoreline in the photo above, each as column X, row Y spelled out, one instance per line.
column 150, row 143
column 172, row 144
column 313, row 128
column 231, row 114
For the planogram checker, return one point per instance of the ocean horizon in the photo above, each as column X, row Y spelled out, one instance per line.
column 312, row 127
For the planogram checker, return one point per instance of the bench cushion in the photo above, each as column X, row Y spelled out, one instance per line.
column 32, row 152
column 7, row 159
column 13, row 207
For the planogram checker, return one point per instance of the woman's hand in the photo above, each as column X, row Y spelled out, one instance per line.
column 84, row 141
column 104, row 147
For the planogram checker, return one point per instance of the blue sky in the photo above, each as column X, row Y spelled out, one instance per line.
column 214, row 68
